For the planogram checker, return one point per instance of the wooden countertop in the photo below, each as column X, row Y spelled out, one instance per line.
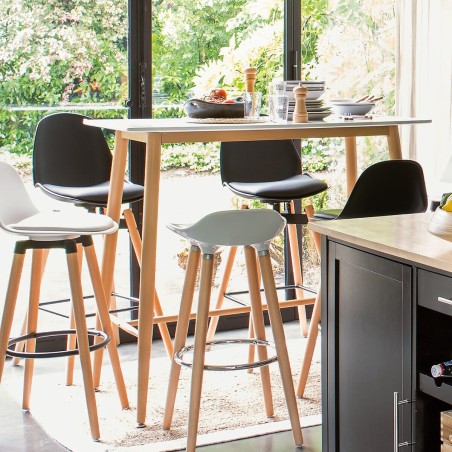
column 403, row 236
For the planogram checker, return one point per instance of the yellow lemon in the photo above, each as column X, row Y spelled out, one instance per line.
column 448, row 205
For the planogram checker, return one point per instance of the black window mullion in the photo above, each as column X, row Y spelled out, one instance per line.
column 292, row 39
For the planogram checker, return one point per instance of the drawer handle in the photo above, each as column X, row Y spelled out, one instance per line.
column 445, row 300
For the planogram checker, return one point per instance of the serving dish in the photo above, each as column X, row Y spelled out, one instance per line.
column 197, row 108
column 352, row 108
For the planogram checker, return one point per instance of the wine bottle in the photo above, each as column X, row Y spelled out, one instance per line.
column 442, row 369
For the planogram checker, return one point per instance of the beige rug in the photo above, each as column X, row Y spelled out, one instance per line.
column 231, row 408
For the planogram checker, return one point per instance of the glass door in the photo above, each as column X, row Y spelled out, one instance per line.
column 57, row 56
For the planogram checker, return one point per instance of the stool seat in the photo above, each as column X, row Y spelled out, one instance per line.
column 232, row 228
column 72, row 232
column 271, row 172
column 57, row 226
column 253, row 229
column 92, row 195
column 276, row 191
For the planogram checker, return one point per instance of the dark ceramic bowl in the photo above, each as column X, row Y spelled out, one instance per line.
column 200, row 109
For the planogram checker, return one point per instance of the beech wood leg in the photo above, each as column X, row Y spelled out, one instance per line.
column 181, row 331
column 112, row 304
column 10, row 305
column 113, row 211
column 223, row 287
column 222, row 290
column 72, row 339
column 20, row 346
column 104, row 317
column 315, row 235
column 296, row 269
column 158, row 311
column 32, row 322
column 251, row 347
column 202, row 319
column 280, row 344
column 310, row 346
column 83, row 343
column 351, row 164
column 148, row 267
column 259, row 328
column 394, row 146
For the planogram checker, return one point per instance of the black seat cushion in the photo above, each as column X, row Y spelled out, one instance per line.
column 93, row 195
column 295, row 187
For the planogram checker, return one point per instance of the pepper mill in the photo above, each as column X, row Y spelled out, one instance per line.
column 250, row 79
column 300, row 113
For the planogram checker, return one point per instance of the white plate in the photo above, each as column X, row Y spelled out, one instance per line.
column 317, row 116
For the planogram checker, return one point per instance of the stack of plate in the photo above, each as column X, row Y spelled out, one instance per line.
column 317, row 110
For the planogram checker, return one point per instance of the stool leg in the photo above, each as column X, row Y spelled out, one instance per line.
column 222, row 290
column 32, row 322
column 20, row 346
column 280, row 343
column 10, row 305
column 251, row 347
column 310, row 346
column 296, row 268
column 112, row 301
column 223, row 287
column 82, row 339
column 259, row 328
column 72, row 339
column 202, row 319
column 181, row 331
column 104, row 316
column 158, row 311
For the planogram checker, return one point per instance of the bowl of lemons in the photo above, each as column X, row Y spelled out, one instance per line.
column 441, row 221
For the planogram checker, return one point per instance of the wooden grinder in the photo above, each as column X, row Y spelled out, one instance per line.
column 300, row 113
column 250, row 79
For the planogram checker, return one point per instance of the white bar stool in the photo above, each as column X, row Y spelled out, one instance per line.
column 19, row 216
column 252, row 229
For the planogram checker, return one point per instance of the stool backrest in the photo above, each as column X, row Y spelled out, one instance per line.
column 69, row 153
column 258, row 161
column 15, row 203
column 392, row 187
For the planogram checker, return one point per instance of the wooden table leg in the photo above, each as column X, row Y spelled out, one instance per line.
column 395, row 149
column 148, row 267
column 351, row 163
column 118, row 169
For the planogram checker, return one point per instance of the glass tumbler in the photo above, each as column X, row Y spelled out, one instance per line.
column 253, row 105
column 278, row 106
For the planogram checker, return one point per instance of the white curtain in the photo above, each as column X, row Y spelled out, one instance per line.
column 424, row 86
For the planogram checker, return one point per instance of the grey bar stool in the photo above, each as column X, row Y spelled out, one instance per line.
column 254, row 230
column 45, row 231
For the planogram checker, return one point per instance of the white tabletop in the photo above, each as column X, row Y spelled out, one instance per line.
column 184, row 124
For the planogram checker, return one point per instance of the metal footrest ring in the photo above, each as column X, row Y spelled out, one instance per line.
column 54, row 354
column 178, row 356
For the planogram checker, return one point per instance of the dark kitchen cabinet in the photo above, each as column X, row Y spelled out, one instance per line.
column 367, row 351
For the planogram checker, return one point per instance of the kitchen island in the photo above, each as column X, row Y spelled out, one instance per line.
column 386, row 318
